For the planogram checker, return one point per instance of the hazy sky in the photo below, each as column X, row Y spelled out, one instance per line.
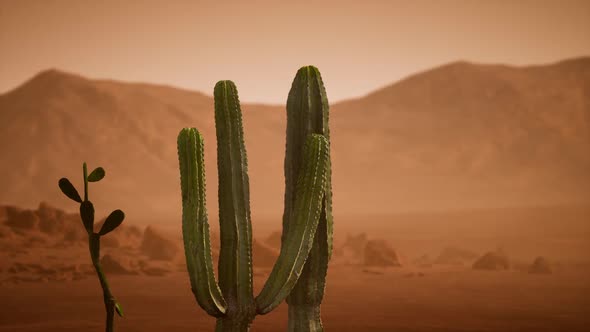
column 358, row 45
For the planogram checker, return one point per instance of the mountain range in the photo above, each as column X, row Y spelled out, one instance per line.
column 459, row 136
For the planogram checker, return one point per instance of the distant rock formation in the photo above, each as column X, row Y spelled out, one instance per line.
column 492, row 261
column 357, row 242
column 423, row 261
column 38, row 242
column 351, row 251
column 379, row 253
column 117, row 265
column 157, row 246
column 21, row 220
column 540, row 266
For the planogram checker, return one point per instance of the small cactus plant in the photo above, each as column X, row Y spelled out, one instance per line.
column 112, row 221
column 307, row 223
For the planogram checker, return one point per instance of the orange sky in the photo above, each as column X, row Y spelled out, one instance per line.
column 359, row 46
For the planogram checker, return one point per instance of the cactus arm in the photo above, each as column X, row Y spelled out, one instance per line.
column 235, row 257
column 195, row 228
column 307, row 113
column 305, row 216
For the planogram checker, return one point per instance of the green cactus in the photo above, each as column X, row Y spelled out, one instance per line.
column 232, row 301
column 112, row 221
column 307, row 113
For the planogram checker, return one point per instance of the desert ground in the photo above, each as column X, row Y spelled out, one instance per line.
column 410, row 272
column 441, row 300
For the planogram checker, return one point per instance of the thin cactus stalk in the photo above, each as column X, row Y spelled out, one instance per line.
column 112, row 221
column 307, row 113
column 231, row 300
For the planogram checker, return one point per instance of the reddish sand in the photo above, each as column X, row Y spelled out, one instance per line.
column 47, row 283
column 441, row 300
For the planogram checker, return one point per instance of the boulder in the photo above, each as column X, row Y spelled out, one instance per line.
column 379, row 253
column 540, row 266
column 155, row 245
column 51, row 220
column 352, row 251
column 492, row 261
column 21, row 220
column 110, row 241
column 116, row 265
column 356, row 243
column 423, row 261
column 2, row 213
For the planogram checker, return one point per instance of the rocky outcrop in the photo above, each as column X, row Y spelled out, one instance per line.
column 155, row 245
column 379, row 253
column 492, row 261
column 540, row 266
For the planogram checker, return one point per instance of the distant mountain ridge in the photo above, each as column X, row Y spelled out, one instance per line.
column 461, row 135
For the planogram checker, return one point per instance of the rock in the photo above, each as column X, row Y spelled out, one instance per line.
column 379, row 253
column 132, row 231
column 75, row 234
column 115, row 265
column 356, row 243
column 21, row 220
column 423, row 261
column 50, row 219
column 155, row 269
column 352, row 251
column 37, row 240
column 492, row 261
column 156, row 246
column 5, row 233
column 540, row 266
column 2, row 213
column 109, row 241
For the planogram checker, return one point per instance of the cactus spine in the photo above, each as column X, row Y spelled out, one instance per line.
column 232, row 301
column 307, row 113
column 112, row 221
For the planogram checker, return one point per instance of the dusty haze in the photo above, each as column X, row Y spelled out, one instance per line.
column 460, row 139
column 360, row 46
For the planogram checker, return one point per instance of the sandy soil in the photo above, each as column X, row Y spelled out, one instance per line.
column 395, row 299
column 411, row 273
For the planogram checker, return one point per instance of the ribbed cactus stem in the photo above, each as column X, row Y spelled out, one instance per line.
column 304, row 318
column 195, row 227
column 306, row 213
column 307, row 113
column 235, row 256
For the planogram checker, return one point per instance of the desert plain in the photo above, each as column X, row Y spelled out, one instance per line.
column 389, row 277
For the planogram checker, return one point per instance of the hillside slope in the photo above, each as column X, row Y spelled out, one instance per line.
column 459, row 136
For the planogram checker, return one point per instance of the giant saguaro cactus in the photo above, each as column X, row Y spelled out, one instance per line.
column 232, row 301
column 307, row 114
